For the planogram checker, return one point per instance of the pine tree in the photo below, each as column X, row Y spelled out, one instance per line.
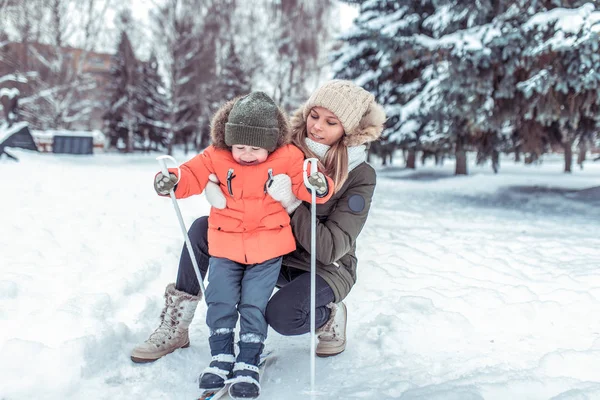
column 501, row 94
column 233, row 79
column 121, row 117
column 152, row 109
column 186, row 36
column 392, row 52
column 363, row 59
column 562, row 91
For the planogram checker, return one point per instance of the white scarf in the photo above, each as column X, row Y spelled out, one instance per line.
column 356, row 154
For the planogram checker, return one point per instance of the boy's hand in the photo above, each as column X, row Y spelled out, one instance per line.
column 164, row 184
column 213, row 193
column 320, row 183
column 280, row 189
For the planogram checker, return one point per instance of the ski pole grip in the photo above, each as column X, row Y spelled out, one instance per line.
column 162, row 160
column 314, row 168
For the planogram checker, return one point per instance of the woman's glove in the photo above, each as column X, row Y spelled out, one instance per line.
column 164, row 184
column 280, row 189
column 320, row 183
column 213, row 193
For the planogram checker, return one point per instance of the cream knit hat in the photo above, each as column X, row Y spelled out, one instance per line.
column 345, row 99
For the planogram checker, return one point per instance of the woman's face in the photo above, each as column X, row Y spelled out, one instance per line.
column 323, row 126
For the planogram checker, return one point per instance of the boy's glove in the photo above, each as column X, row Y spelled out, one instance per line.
column 164, row 184
column 280, row 189
column 213, row 193
column 320, row 183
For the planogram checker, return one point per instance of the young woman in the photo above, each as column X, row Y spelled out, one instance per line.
column 334, row 125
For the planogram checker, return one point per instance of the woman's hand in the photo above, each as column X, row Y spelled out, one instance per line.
column 319, row 182
column 280, row 189
column 213, row 193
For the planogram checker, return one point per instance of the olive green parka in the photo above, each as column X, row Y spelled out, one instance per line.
column 339, row 223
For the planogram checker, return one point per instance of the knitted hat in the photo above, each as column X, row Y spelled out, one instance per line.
column 253, row 122
column 345, row 99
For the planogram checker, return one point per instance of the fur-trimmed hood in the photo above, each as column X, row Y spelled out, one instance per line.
column 368, row 130
column 217, row 126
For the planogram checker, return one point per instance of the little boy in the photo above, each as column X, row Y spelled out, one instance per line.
column 248, row 237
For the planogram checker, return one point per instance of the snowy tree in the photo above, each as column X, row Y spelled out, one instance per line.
column 186, row 34
column 152, row 108
column 299, row 30
column 233, row 79
column 563, row 85
column 59, row 92
column 121, row 118
column 392, row 52
column 487, row 73
column 211, row 51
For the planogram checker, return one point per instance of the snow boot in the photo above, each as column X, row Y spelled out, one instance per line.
column 221, row 366
column 246, row 376
column 172, row 333
column 332, row 335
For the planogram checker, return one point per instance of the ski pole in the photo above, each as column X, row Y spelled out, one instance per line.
column 313, row 162
column 162, row 160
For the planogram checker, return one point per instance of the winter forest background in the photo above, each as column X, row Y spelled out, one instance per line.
column 518, row 77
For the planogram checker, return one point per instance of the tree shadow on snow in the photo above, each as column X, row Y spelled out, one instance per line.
column 589, row 195
column 402, row 173
column 540, row 199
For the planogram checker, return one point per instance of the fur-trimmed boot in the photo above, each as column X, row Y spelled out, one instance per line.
column 245, row 383
column 221, row 366
column 172, row 333
column 332, row 335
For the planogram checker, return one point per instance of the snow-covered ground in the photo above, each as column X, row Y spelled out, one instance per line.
column 478, row 287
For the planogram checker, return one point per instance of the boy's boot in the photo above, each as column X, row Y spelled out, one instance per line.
column 172, row 333
column 332, row 335
column 220, row 369
column 245, row 382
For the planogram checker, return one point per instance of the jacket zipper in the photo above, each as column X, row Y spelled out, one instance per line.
column 269, row 179
column 230, row 176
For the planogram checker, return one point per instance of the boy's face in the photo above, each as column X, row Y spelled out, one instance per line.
column 249, row 155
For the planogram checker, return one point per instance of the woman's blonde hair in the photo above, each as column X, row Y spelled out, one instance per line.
column 335, row 162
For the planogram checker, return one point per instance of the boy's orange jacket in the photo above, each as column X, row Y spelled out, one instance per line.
column 253, row 227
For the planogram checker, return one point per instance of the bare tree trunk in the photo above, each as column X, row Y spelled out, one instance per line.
column 582, row 146
column 171, row 135
column 170, row 146
column 461, row 157
column 495, row 161
column 411, row 159
column 129, row 143
column 568, row 146
column 146, row 140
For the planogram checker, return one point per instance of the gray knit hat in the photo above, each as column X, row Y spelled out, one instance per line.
column 253, row 122
column 345, row 99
